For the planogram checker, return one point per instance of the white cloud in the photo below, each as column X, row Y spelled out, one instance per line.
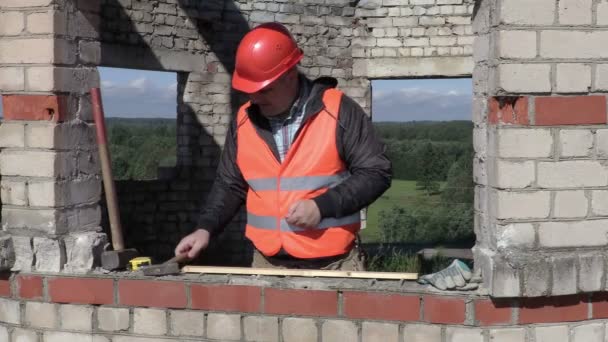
column 415, row 90
column 379, row 94
column 170, row 92
column 139, row 83
column 140, row 97
column 107, row 84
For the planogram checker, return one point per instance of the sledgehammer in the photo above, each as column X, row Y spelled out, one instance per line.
column 119, row 257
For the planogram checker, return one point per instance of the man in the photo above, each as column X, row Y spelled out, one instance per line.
column 301, row 155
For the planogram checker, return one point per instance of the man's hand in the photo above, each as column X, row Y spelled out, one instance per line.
column 304, row 214
column 193, row 244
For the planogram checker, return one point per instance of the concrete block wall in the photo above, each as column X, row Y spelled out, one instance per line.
column 540, row 116
column 51, row 307
column 50, row 178
column 159, row 223
column 166, row 210
column 162, row 35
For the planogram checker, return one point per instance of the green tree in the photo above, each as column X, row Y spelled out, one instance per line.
column 448, row 223
column 427, row 169
column 437, row 224
column 460, row 186
column 139, row 146
column 119, row 134
column 120, row 161
column 397, row 225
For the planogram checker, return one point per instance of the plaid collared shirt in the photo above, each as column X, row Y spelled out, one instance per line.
column 284, row 128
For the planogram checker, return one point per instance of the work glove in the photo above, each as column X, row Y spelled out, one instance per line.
column 454, row 277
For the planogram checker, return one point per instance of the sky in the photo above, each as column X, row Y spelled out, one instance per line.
column 138, row 93
column 151, row 94
column 422, row 99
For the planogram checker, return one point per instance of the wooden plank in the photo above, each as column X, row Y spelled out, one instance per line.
column 298, row 272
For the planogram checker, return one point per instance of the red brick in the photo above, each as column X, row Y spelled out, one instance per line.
column 599, row 301
column 571, row 110
column 492, row 312
column 226, row 298
column 212, row 67
column 514, row 110
column 30, row 287
column 81, row 290
column 493, row 112
column 300, row 302
column 553, row 309
column 160, row 294
column 35, row 107
column 444, row 310
column 391, row 307
column 5, row 285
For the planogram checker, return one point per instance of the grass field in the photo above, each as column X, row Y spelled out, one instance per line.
column 402, row 193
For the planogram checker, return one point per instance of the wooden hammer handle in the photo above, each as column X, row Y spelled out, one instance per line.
column 106, row 171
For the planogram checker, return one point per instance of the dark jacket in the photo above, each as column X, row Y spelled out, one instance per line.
column 358, row 145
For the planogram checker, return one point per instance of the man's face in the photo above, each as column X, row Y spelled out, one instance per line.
column 277, row 97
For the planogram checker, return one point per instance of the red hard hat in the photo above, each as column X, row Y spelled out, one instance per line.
column 264, row 54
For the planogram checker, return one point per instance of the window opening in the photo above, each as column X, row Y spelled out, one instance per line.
column 140, row 110
column 426, row 126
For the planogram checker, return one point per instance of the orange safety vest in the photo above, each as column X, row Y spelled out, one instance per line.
column 311, row 166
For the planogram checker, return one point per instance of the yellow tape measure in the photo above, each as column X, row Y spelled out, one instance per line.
column 136, row 263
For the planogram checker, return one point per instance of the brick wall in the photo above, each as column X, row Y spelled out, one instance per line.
column 540, row 117
column 49, row 308
column 50, row 179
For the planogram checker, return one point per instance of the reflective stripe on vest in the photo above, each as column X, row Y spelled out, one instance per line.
column 270, row 222
column 297, row 183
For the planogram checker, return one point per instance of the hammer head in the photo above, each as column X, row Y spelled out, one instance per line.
column 162, row 269
column 116, row 260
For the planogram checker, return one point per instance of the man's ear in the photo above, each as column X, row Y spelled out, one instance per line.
column 293, row 73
